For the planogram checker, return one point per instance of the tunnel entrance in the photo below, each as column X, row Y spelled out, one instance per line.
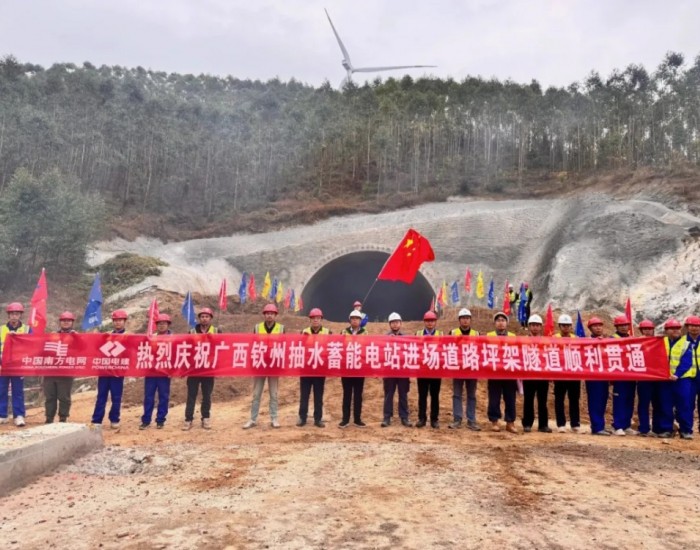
column 343, row 280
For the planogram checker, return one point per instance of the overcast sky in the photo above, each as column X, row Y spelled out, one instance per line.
column 554, row 41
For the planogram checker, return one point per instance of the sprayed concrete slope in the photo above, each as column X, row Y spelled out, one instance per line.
column 581, row 252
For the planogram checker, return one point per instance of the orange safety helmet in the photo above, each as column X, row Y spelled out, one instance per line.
column 15, row 307
column 270, row 308
column 66, row 316
column 430, row 316
column 316, row 312
column 119, row 314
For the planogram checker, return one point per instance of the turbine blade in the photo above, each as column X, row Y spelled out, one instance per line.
column 374, row 69
column 340, row 42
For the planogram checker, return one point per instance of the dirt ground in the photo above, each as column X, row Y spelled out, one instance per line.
column 355, row 488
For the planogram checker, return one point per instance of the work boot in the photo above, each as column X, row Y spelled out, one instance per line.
column 386, row 422
column 301, row 423
column 455, row 425
column 63, row 419
column 250, row 424
column 343, row 424
column 510, row 427
column 360, row 424
column 143, row 426
column 527, row 429
column 206, row 423
column 159, row 425
column 420, row 424
column 48, row 421
column 495, row 427
column 545, row 430
column 473, row 426
column 406, row 422
column 665, row 435
column 434, row 424
column 187, row 425
column 319, row 424
column 275, row 423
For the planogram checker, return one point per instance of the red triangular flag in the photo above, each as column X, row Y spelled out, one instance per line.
column 288, row 298
column 300, row 303
column 405, row 261
column 506, row 300
column 628, row 312
column 223, row 298
column 468, row 281
column 252, row 295
column 152, row 316
column 37, row 313
column 549, row 322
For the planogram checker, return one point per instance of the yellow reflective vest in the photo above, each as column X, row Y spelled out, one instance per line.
column 458, row 332
column 322, row 330
column 276, row 329
column 5, row 330
column 494, row 333
column 422, row 333
column 675, row 353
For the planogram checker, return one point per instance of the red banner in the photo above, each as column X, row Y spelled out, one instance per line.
column 334, row 355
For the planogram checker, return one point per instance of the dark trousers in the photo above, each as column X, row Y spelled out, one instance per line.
column 57, row 391
column 432, row 386
column 532, row 388
column 307, row 383
column 598, row 392
column 193, row 383
column 151, row 386
column 352, row 394
column 108, row 386
column 572, row 388
column 497, row 389
column 390, row 387
column 623, row 404
column 662, row 402
column 645, row 392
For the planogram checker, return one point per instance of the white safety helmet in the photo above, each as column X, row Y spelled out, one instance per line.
column 565, row 320
column 464, row 312
column 355, row 313
column 534, row 320
column 394, row 317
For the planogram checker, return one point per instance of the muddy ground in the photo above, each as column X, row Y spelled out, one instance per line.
column 362, row 488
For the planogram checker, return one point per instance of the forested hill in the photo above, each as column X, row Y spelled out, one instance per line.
column 202, row 146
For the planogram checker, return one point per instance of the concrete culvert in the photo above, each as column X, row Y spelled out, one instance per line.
column 343, row 280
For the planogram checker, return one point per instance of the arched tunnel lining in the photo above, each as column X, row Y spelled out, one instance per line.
column 343, row 280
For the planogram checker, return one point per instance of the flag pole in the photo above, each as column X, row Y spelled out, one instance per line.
column 369, row 291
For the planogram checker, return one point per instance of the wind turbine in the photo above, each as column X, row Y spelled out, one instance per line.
column 348, row 64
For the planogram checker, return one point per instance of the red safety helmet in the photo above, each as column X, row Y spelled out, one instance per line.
column 357, row 303
column 315, row 312
column 430, row 316
column 594, row 321
column 163, row 318
column 206, row 311
column 525, row 285
column 621, row 320
column 647, row 324
column 270, row 308
column 672, row 323
column 15, row 307
column 66, row 316
column 692, row 320
column 119, row 314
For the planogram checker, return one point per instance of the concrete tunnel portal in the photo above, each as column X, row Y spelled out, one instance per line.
column 336, row 285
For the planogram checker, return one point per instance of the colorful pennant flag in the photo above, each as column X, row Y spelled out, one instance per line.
column 468, row 281
column 152, row 316
column 188, row 310
column 506, row 300
column 288, row 299
column 580, row 332
column 443, row 293
column 490, row 301
column 223, row 298
column 280, row 293
column 267, row 286
column 37, row 313
column 549, row 322
column 455, row 293
column 522, row 305
column 628, row 312
column 93, row 311
column 480, row 286
column 252, row 294
column 292, row 300
column 243, row 289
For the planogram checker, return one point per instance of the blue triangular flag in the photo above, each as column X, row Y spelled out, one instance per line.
column 243, row 289
column 273, row 292
column 455, row 293
column 93, row 310
column 522, row 308
column 188, row 310
column 490, row 300
column 579, row 327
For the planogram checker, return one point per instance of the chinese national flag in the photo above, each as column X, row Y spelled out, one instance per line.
column 37, row 313
column 153, row 313
column 403, row 264
column 223, row 298
column 549, row 322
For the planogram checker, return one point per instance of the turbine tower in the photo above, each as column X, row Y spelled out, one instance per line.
column 347, row 64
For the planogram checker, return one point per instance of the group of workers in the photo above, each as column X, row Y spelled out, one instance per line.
column 670, row 401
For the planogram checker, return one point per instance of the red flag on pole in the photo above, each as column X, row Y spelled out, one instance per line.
column 288, row 298
column 37, row 313
column 468, row 281
column 152, row 316
column 506, row 300
column 405, row 261
column 223, row 298
column 252, row 295
column 300, row 303
column 549, row 322
column 628, row 312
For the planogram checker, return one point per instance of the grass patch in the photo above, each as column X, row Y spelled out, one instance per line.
column 125, row 270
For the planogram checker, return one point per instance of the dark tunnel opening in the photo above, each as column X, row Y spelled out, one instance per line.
column 340, row 282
